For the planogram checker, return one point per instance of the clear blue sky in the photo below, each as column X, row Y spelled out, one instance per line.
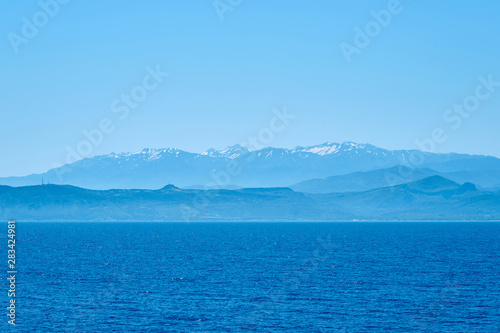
column 226, row 76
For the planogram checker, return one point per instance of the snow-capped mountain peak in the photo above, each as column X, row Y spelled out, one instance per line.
column 148, row 154
column 230, row 152
column 329, row 148
column 323, row 149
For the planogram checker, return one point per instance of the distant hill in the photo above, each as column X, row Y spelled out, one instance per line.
column 267, row 167
column 369, row 180
column 431, row 198
column 363, row 181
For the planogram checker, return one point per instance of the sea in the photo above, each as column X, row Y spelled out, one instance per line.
column 256, row 277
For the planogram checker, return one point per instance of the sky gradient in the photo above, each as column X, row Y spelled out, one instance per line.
column 226, row 76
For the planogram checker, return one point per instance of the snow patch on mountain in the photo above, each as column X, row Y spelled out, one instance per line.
column 330, row 148
column 230, row 152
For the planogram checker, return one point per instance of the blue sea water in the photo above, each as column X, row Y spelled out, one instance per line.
column 257, row 277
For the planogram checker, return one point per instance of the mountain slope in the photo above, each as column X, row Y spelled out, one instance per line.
column 431, row 198
column 363, row 181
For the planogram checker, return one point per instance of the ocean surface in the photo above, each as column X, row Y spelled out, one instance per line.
column 257, row 277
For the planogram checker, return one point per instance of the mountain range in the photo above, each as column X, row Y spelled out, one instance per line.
column 430, row 198
column 324, row 168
